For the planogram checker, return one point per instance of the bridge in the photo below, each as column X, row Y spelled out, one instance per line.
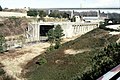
column 117, row 8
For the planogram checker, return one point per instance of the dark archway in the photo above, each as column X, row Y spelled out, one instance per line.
column 44, row 29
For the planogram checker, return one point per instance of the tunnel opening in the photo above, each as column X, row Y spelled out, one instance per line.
column 44, row 29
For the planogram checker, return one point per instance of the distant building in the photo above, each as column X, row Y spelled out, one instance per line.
column 77, row 19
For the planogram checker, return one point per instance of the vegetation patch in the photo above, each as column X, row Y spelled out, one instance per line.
column 13, row 26
column 103, row 61
column 41, row 61
column 2, row 71
column 2, row 44
column 60, row 67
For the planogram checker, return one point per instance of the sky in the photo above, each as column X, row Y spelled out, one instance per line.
column 59, row 3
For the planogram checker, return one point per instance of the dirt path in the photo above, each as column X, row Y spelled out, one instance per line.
column 73, row 52
column 13, row 65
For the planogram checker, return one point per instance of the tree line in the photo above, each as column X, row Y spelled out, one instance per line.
column 43, row 13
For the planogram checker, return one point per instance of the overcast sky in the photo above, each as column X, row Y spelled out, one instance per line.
column 59, row 3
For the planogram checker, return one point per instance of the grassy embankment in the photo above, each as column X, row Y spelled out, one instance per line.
column 62, row 66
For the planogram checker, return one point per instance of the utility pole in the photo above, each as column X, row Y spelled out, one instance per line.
column 98, row 15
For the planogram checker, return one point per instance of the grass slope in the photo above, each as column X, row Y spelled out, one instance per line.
column 64, row 67
column 93, row 39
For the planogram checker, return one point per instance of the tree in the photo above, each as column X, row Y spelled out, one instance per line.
column 0, row 8
column 42, row 13
column 33, row 13
column 51, row 37
column 58, row 32
column 55, row 35
column 2, row 43
column 65, row 15
column 55, row 14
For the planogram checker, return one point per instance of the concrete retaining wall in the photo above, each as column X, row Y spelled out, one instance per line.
column 70, row 29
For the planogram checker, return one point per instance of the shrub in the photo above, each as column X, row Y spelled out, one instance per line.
column 41, row 61
column 1, row 24
column 2, row 44
column 2, row 72
column 51, row 48
column 103, row 61
column 57, row 45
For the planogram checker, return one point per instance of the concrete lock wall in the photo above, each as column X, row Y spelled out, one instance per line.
column 11, row 14
column 70, row 29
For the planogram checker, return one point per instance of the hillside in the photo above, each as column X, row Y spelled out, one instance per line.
column 13, row 26
column 57, row 65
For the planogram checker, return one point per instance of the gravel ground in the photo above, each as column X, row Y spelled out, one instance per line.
column 13, row 63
